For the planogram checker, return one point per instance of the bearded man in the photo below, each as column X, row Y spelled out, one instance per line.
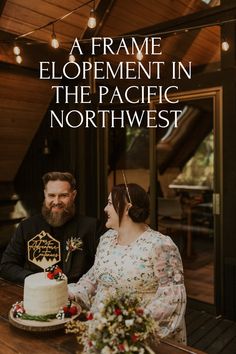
column 59, row 220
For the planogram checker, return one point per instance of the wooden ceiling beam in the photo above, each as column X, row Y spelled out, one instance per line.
column 2, row 5
column 224, row 12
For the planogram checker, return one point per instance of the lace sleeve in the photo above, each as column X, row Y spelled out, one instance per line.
column 84, row 289
column 168, row 305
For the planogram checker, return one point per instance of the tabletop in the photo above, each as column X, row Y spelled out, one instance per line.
column 17, row 341
column 189, row 187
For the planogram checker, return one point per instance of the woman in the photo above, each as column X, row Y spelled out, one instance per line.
column 133, row 257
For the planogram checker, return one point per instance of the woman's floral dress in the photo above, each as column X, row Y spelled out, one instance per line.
column 150, row 267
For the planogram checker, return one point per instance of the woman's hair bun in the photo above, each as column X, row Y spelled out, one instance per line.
column 138, row 214
column 136, row 196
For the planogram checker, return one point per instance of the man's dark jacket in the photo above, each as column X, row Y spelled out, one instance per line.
column 15, row 265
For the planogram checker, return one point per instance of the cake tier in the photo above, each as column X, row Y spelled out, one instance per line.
column 43, row 296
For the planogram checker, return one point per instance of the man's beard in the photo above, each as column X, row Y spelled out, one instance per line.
column 57, row 219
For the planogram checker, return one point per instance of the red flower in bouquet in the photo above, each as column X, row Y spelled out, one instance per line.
column 121, row 347
column 89, row 316
column 134, row 338
column 117, row 312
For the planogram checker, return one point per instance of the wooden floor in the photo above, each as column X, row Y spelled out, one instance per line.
column 210, row 334
column 205, row 331
column 200, row 283
column 199, row 270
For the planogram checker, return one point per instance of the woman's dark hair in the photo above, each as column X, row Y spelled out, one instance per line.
column 139, row 210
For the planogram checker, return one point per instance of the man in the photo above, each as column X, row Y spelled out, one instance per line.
column 59, row 220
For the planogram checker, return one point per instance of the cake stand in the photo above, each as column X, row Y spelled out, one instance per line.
column 38, row 326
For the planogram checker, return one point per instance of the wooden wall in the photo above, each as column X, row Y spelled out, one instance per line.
column 24, row 100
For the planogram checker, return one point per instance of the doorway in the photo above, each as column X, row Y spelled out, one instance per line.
column 185, row 187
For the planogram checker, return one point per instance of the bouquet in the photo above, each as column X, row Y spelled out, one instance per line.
column 121, row 325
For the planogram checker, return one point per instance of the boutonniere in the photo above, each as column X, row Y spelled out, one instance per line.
column 73, row 244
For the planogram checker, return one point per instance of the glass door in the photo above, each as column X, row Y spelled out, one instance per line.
column 185, row 183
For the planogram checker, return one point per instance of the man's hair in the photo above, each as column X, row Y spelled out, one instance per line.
column 59, row 176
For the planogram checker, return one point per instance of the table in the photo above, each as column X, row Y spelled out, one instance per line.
column 14, row 340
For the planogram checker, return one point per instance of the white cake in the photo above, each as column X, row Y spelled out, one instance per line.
column 43, row 296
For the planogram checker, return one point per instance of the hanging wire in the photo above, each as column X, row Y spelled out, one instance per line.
column 54, row 21
column 124, row 36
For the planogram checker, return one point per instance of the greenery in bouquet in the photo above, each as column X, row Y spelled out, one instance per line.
column 121, row 325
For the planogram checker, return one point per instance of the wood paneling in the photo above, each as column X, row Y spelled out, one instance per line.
column 19, row 17
column 24, row 100
column 128, row 16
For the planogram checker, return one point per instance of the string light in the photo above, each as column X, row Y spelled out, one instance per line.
column 161, row 34
column 16, row 50
column 19, row 59
column 92, row 20
column 225, row 45
column 46, row 150
column 54, row 40
column 71, row 58
column 139, row 55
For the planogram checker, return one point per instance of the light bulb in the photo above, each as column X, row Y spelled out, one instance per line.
column 46, row 150
column 92, row 20
column 225, row 46
column 54, row 42
column 71, row 58
column 18, row 59
column 139, row 55
column 16, row 50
